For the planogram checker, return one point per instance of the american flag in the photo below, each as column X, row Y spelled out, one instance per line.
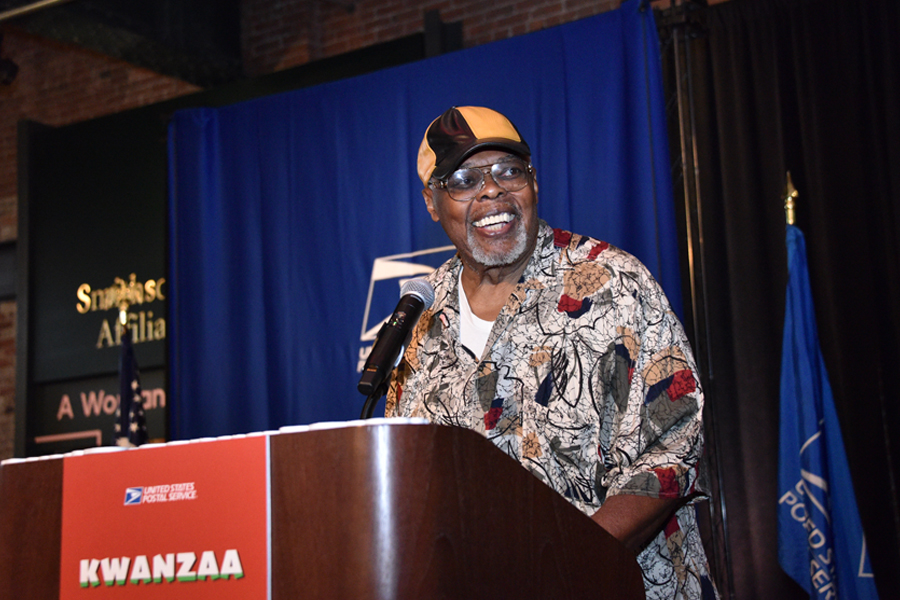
column 131, row 424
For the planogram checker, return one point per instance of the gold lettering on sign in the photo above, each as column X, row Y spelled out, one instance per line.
column 133, row 292
column 84, row 298
column 144, row 328
column 128, row 295
column 105, row 335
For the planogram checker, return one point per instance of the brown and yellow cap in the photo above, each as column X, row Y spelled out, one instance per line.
column 460, row 132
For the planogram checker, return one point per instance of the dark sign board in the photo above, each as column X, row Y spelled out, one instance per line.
column 95, row 218
column 96, row 235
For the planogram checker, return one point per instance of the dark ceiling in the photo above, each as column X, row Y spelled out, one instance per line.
column 194, row 40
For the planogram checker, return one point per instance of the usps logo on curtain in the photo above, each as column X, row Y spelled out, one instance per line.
column 389, row 273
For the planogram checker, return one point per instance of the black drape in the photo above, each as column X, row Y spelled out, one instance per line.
column 811, row 87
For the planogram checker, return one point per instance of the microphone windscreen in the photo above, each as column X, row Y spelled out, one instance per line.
column 420, row 288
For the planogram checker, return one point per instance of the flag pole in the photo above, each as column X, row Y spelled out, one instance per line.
column 131, row 422
column 790, row 193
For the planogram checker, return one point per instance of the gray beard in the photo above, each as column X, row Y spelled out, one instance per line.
column 498, row 259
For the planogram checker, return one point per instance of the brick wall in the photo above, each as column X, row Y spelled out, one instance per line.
column 59, row 84
column 285, row 33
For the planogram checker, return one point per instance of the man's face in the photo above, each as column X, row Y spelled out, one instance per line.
column 496, row 227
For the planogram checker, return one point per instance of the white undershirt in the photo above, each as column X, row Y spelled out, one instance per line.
column 473, row 332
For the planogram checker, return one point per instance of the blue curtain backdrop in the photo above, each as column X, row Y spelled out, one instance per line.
column 294, row 218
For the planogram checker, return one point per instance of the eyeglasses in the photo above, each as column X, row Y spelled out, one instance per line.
column 464, row 184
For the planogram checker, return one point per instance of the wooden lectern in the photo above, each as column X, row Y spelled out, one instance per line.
column 382, row 511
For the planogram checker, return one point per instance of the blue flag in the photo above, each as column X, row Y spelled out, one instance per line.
column 131, row 424
column 820, row 537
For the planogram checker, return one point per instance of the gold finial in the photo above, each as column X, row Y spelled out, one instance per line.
column 790, row 193
column 123, row 314
column 126, row 297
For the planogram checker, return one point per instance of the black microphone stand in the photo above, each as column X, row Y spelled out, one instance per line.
column 372, row 399
column 416, row 295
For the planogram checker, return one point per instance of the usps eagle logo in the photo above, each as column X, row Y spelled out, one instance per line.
column 133, row 495
column 389, row 273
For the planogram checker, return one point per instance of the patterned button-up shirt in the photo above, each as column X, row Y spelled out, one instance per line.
column 587, row 379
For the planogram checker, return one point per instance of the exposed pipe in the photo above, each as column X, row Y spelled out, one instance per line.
column 681, row 25
column 29, row 8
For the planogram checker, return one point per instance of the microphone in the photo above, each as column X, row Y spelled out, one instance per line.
column 416, row 295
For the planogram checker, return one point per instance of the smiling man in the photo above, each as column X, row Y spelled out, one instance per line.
column 559, row 348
